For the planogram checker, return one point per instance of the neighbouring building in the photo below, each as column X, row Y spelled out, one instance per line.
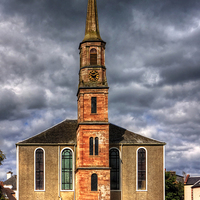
column 90, row 158
column 192, row 188
column 179, row 178
column 9, row 187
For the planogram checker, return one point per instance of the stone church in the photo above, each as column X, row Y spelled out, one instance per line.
column 90, row 158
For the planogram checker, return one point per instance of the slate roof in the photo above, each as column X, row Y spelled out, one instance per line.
column 180, row 178
column 197, row 184
column 9, row 193
column 11, row 181
column 65, row 132
column 192, row 180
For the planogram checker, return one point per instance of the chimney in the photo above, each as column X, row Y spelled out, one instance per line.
column 9, row 175
column 187, row 177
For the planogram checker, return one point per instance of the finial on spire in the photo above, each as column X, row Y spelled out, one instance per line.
column 92, row 25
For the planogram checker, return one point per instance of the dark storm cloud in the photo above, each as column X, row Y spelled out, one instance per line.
column 152, row 60
column 175, row 75
column 13, row 106
column 8, row 103
column 52, row 19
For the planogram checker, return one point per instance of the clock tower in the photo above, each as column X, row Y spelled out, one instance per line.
column 92, row 162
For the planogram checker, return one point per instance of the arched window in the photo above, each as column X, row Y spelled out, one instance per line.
column 91, row 146
column 96, row 146
column 114, row 163
column 67, row 168
column 141, row 169
column 39, row 169
column 94, row 182
column 93, row 57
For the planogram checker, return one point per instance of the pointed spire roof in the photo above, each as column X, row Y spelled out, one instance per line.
column 92, row 25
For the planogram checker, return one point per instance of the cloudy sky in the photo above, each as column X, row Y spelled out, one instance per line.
column 153, row 71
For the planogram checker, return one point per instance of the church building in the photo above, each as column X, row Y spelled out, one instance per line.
column 90, row 158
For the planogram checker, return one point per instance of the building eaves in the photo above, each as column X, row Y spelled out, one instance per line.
column 64, row 133
column 197, row 184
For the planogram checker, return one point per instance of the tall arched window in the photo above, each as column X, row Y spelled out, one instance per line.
column 96, row 146
column 91, row 146
column 141, row 169
column 94, row 182
column 93, row 56
column 39, row 169
column 67, row 168
column 114, row 163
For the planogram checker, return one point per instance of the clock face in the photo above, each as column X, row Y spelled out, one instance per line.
column 93, row 75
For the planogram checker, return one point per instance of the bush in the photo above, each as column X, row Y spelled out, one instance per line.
column 174, row 190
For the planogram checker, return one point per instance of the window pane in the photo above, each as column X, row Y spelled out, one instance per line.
column 67, row 169
column 94, row 182
column 70, row 164
column 115, row 171
column 93, row 57
column 91, row 146
column 93, row 105
column 142, row 169
column 96, row 146
column 39, row 174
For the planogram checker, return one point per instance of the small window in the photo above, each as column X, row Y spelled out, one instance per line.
column 94, row 182
column 96, row 146
column 93, row 57
column 93, row 105
column 67, row 166
column 141, row 169
column 91, row 146
column 39, row 169
column 114, row 163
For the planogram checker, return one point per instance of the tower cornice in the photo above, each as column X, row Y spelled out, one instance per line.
column 91, row 41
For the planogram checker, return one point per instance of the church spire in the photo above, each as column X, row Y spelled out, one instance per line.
column 92, row 25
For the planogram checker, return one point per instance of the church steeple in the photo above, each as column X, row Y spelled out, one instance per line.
column 92, row 25
column 92, row 160
column 92, row 52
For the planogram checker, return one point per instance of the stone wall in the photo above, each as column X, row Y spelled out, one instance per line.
column 26, row 174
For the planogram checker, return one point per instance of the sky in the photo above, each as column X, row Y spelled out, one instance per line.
column 152, row 61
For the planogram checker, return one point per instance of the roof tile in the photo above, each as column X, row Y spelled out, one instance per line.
column 65, row 132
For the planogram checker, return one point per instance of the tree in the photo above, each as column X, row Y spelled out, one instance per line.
column 2, row 157
column 1, row 194
column 174, row 190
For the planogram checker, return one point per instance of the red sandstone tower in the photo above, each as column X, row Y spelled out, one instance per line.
column 93, row 172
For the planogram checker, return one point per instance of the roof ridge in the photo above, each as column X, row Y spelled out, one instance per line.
column 196, row 182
